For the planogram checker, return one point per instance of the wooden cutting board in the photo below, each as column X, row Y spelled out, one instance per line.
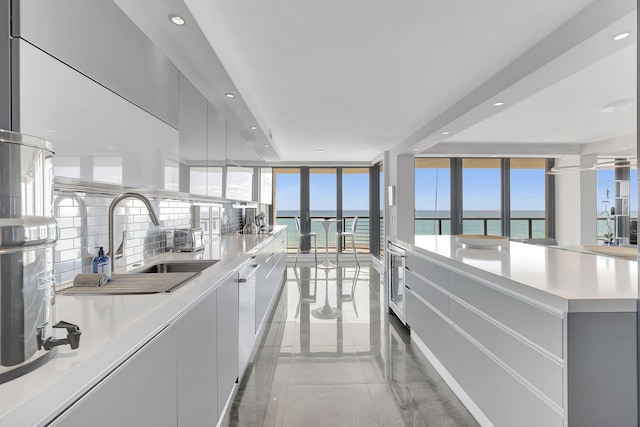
column 619, row 251
column 142, row 283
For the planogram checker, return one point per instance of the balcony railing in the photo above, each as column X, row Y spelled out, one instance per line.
column 521, row 228
column 361, row 235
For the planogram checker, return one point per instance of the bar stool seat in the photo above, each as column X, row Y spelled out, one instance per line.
column 350, row 234
column 311, row 236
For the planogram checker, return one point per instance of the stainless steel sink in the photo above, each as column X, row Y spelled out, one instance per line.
column 170, row 276
column 177, row 267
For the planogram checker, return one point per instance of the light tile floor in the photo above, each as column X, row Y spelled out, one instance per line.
column 333, row 356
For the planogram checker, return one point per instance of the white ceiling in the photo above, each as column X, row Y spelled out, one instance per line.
column 360, row 77
column 569, row 111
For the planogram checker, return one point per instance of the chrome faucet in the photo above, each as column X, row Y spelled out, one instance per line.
column 112, row 208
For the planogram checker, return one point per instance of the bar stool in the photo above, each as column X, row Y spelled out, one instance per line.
column 311, row 235
column 352, row 235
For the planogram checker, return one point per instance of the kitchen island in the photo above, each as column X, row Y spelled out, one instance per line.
column 156, row 359
column 527, row 335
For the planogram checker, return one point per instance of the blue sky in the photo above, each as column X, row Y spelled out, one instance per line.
column 323, row 192
column 481, row 190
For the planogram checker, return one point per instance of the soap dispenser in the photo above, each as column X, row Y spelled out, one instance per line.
column 102, row 264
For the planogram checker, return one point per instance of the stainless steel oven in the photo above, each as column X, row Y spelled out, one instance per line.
column 396, row 278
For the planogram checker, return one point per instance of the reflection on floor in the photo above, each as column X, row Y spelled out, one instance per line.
column 333, row 356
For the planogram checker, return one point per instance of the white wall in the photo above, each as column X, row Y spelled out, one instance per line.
column 576, row 203
column 399, row 172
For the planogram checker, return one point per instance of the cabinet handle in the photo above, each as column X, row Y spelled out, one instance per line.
column 254, row 270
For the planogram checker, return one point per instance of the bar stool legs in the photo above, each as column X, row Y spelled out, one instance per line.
column 353, row 245
column 352, row 235
column 300, row 236
column 311, row 236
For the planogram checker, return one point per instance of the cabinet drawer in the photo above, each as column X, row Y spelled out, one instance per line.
column 429, row 292
column 538, row 325
column 502, row 397
column 428, row 325
column 428, row 270
column 539, row 369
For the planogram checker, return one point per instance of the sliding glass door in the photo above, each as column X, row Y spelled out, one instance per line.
column 313, row 194
column 323, row 203
column 481, row 197
column 286, row 201
column 355, row 203
column 528, row 202
column 433, row 196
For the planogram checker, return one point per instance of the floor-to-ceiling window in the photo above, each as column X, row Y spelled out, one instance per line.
column 481, row 197
column 318, row 193
column 489, row 193
column 355, row 203
column 286, row 201
column 323, row 202
column 432, row 196
column 528, row 198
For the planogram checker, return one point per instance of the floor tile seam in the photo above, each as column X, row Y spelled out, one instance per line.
column 375, row 407
column 325, row 385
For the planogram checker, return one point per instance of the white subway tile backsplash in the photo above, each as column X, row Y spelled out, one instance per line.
column 68, row 255
column 83, row 225
column 64, row 222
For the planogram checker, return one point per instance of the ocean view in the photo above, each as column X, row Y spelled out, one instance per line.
column 425, row 224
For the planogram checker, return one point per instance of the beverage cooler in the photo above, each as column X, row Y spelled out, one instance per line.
column 28, row 233
column 396, row 279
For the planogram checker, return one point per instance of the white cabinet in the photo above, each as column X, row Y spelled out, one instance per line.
column 97, row 135
column 142, row 391
column 428, row 325
column 193, row 138
column 503, row 351
column 503, row 398
column 227, row 338
column 273, row 262
column 187, row 373
column 264, row 258
column 173, row 377
column 197, row 373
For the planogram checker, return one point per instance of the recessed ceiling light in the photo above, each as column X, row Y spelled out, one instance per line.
column 52, row 130
column 275, row 157
column 498, row 104
column 178, row 20
column 320, row 150
column 416, row 149
column 621, row 36
column 446, row 132
column 253, row 127
column 266, row 145
column 229, row 95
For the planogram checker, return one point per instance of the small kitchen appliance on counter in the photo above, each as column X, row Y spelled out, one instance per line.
column 188, row 239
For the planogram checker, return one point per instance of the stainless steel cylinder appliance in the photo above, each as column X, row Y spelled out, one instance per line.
column 28, row 233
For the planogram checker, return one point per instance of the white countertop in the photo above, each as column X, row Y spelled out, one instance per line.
column 113, row 327
column 566, row 280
